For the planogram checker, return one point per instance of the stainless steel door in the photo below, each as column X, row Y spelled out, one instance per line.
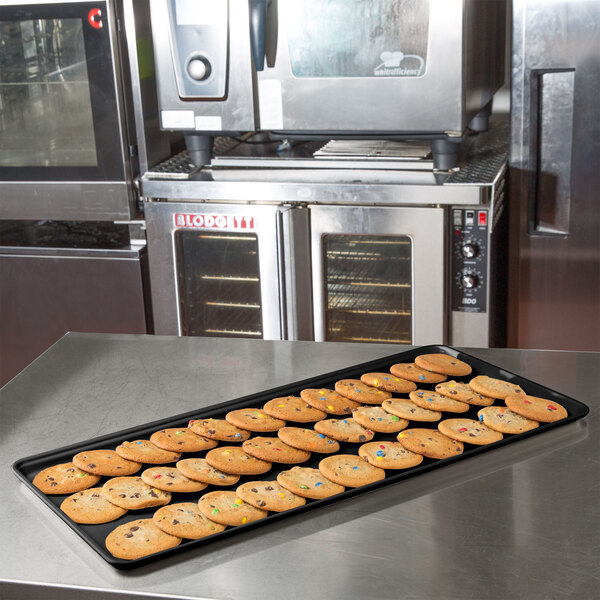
column 219, row 270
column 555, row 144
column 378, row 274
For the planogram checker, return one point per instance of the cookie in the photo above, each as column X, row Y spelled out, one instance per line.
column 144, row 451
column 389, row 455
column 469, row 431
column 463, row 392
column 344, row 430
column 407, row 409
column 133, row 493
column 181, row 439
column 350, row 470
column 536, row 409
column 377, row 419
column 274, row 450
column 308, row 483
column 233, row 459
column 443, row 364
column 435, row 401
column 494, row 388
column 171, row 479
column 412, row 372
column 429, row 442
column 65, row 478
column 185, row 520
column 227, row 508
column 357, row 390
column 139, row 538
column 218, row 429
column 307, row 439
column 388, row 382
column 269, row 495
column 328, row 401
column 254, row 419
column 105, row 462
column 293, row 408
column 199, row 470
column 90, row 507
column 504, row 420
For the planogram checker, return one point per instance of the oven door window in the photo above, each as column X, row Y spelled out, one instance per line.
column 218, row 284
column 354, row 38
column 58, row 108
column 368, row 288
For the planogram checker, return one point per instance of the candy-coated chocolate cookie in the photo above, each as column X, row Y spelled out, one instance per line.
column 463, row 392
column 435, row 401
column 139, row 538
column 133, row 493
column 377, row 419
column 274, row 450
column 65, row 478
column 412, row 372
column 469, row 431
column 389, row 455
column 504, row 420
column 90, row 507
column 429, row 442
column 105, row 462
column 144, row 451
column 407, row 409
column 233, row 459
column 227, row 508
column 181, row 439
column 536, row 409
column 388, row 382
column 307, row 439
column 329, row 401
column 171, row 479
column 494, row 388
column 444, row 364
column 357, row 390
column 344, row 430
column 293, row 408
column 218, row 429
column 254, row 419
column 269, row 495
column 308, row 483
column 199, row 470
column 185, row 520
column 350, row 470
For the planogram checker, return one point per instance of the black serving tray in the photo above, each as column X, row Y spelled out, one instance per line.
column 94, row 535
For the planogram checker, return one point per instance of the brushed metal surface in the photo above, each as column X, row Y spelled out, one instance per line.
column 522, row 521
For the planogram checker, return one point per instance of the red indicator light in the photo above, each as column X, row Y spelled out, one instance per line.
column 482, row 216
column 95, row 18
column 457, row 232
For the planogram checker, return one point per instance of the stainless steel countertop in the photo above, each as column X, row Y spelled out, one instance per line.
column 520, row 521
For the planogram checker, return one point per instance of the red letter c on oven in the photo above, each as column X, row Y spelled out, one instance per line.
column 95, row 18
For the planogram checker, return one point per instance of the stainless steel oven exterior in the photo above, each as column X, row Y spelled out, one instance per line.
column 78, row 108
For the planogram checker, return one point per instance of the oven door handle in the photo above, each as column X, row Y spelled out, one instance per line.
column 258, row 32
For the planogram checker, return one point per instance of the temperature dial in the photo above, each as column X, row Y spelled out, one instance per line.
column 469, row 281
column 470, row 250
column 198, row 68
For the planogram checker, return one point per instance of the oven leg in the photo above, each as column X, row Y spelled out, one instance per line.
column 445, row 153
column 481, row 121
column 200, row 148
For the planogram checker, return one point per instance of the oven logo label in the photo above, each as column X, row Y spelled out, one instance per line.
column 95, row 18
column 195, row 221
column 398, row 64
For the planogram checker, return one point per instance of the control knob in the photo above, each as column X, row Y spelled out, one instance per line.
column 470, row 250
column 198, row 68
column 469, row 281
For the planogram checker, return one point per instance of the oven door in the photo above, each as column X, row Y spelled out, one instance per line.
column 218, row 270
column 62, row 154
column 378, row 274
column 341, row 66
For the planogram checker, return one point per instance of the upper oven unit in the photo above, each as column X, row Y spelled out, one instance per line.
column 73, row 120
column 328, row 68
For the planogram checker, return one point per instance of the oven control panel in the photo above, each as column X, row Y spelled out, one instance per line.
column 469, row 259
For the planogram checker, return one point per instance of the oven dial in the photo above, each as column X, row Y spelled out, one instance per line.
column 469, row 281
column 470, row 250
column 198, row 68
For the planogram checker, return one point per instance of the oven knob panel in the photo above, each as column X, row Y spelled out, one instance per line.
column 469, row 240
